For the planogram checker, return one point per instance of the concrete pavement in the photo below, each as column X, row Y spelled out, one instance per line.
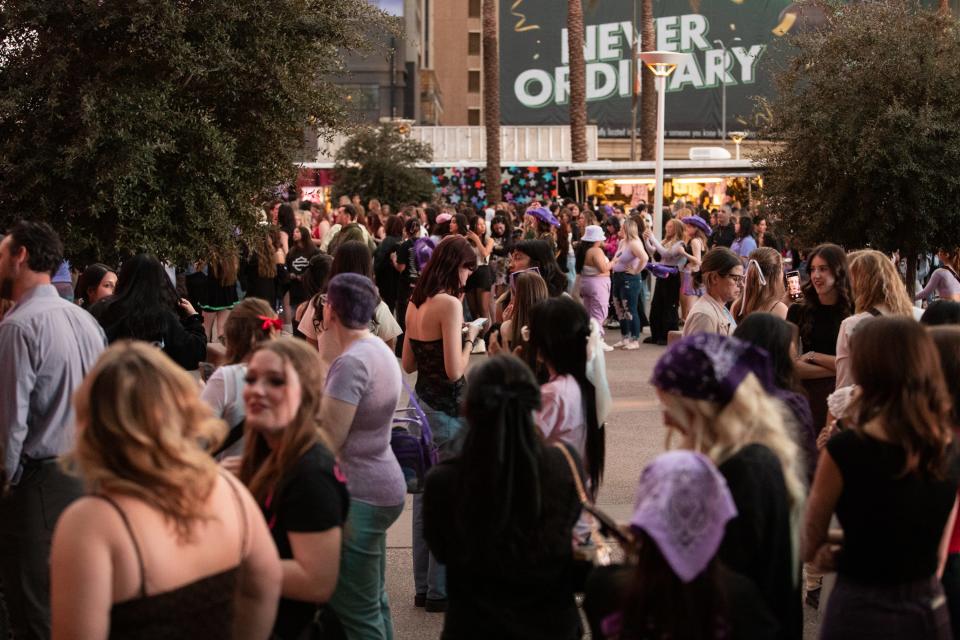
column 635, row 435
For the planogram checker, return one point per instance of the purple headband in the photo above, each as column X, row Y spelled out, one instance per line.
column 709, row 366
column 542, row 213
column 683, row 504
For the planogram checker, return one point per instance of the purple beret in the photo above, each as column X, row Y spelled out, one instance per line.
column 709, row 366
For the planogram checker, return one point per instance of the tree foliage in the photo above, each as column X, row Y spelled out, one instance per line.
column 866, row 130
column 379, row 163
column 159, row 126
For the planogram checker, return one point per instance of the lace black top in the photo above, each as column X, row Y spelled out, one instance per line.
column 433, row 385
column 201, row 610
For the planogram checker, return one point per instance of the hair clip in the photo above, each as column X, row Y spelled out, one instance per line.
column 268, row 322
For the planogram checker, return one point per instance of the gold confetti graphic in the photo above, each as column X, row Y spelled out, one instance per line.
column 521, row 25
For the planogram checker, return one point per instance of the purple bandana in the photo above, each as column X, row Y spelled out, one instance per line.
column 683, row 503
column 709, row 366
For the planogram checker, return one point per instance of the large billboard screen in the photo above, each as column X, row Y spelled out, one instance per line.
column 730, row 42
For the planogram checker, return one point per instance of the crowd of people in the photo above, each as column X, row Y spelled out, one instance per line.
column 177, row 464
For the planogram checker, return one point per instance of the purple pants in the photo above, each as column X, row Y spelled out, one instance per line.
column 595, row 293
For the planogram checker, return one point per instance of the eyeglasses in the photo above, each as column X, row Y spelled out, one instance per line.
column 734, row 277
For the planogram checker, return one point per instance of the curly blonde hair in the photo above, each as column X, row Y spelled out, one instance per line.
column 751, row 417
column 143, row 431
column 875, row 281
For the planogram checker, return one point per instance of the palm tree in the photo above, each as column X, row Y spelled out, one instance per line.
column 578, row 90
column 944, row 6
column 491, row 100
column 648, row 90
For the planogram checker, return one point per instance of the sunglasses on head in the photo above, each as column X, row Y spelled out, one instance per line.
column 516, row 274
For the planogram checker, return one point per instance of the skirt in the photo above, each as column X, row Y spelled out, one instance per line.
column 687, row 287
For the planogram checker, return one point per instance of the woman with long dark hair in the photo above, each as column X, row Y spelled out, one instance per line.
column 302, row 249
column 480, row 283
column 146, row 307
column 436, row 347
column 827, row 301
column 501, row 514
column 891, row 476
column 559, row 329
column 676, row 586
column 97, row 282
column 385, row 275
column 775, row 336
column 501, row 232
column 745, row 243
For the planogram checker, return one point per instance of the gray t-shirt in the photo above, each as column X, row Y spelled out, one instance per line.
column 367, row 376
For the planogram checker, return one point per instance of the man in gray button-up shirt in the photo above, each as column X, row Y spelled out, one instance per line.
column 47, row 346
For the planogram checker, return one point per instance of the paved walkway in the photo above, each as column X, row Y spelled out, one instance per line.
column 635, row 435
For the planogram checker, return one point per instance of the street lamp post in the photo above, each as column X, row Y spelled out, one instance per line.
column 723, row 92
column 661, row 64
column 737, row 137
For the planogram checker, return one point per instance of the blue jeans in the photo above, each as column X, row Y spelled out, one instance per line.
column 429, row 576
column 628, row 303
column 360, row 599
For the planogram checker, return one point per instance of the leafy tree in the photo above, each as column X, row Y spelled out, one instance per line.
column 379, row 163
column 866, row 121
column 159, row 126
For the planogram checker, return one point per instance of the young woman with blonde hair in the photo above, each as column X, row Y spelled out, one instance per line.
column 713, row 390
column 695, row 241
column 666, row 291
column 763, row 286
column 877, row 291
column 164, row 545
column 294, row 478
column 629, row 260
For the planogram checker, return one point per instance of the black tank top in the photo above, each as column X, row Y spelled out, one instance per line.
column 201, row 610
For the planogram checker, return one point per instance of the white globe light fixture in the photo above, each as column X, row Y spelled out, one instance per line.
column 661, row 64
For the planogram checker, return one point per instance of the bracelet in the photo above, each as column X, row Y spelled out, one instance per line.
column 471, row 342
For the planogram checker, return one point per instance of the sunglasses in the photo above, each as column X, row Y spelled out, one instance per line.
column 516, row 274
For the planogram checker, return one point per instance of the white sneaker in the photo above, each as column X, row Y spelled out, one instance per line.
column 606, row 347
column 617, row 345
column 631, row 345
column 479, row 346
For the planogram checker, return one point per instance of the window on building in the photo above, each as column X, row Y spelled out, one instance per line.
column 473, row 117
column 474, row 8
column 473, row 43
column 473, row 81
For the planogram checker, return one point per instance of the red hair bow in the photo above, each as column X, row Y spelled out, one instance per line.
column 276, row 323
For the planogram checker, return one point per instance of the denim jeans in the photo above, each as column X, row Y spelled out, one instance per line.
column 360, row 599
column 429, row 576
column 628, row 303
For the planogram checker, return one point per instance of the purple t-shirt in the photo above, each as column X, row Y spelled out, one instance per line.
column 367, row 376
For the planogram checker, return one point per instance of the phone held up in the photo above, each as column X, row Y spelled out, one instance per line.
column 793, row 285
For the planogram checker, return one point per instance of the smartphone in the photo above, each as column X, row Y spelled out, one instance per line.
column 793, row 285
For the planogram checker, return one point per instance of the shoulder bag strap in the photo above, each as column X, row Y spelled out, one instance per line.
column 575, row 472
